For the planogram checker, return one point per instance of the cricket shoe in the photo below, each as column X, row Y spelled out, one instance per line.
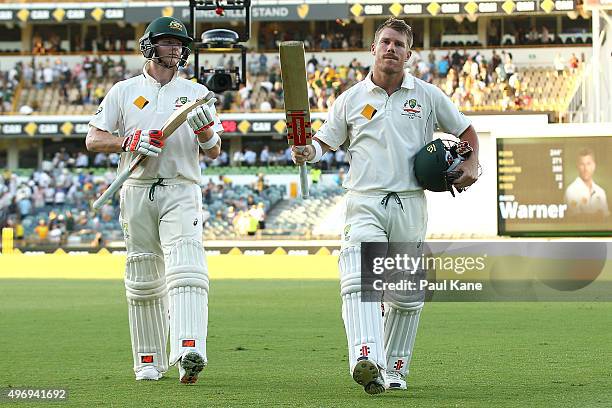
column 367, row 374
column 395, row 381
column 148, row 373
column 190, row 366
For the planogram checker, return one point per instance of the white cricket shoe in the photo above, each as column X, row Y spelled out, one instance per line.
column 395, row 381
column 148, row 373
column 367, row 374
column 190, row 366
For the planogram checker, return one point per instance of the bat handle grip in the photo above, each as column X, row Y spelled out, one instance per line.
column 304, row 180
column 303, row 175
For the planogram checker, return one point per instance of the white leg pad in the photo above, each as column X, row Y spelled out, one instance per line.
column 187, row 279
column 145, row 289
column 401, row 324
column 362, row 320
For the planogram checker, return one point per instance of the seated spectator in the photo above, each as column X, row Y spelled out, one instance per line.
column 264, row 156
column 339, row 177
column 443, row 66
column 100, row 160
column 82, row 160
column 250, row 157
column 573, row 63
column 42, row 231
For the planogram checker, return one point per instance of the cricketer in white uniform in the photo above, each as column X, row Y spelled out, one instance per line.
column 385, row 120
column 166, row 275
column 583, row 196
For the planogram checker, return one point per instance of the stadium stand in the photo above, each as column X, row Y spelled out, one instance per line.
column 47, row 85
column 53, row 206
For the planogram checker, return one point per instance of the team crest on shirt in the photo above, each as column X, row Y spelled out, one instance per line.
column 180, row 101
column 412, row 109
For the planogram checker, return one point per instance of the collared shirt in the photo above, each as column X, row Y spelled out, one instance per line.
column 384, row 132
column 582, row 200
column 142, row 103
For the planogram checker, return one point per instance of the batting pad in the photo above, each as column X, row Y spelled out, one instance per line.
column 363, row 321
column 401, row 324
column 187, row 279
column 145, row 288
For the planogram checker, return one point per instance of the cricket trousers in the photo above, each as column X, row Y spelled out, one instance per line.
column 166, row 275
column 384, row 333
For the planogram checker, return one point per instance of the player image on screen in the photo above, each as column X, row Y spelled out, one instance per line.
column 583, row 195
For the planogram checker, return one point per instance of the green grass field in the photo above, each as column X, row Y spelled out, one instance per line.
column 281, row 343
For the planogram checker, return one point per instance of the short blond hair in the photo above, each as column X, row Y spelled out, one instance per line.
column 398, row 25
column 586, row 152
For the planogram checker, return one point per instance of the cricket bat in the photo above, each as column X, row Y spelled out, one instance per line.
column 297, row 108
column 175, row 120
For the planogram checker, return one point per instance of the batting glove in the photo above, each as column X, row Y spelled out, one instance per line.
column 147, row 142
column 202, row 118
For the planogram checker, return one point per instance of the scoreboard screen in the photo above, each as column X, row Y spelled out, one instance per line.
column 554, row 185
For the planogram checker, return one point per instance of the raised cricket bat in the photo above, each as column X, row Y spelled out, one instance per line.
column 175, row 120
column 297, row 108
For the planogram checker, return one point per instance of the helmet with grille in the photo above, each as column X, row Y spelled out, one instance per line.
column 165, row 27
column 436, row 163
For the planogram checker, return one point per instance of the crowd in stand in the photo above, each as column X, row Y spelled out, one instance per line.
column 466, row 77
column 265, row 157
column 246, row 212
column 340, row 40
column 78, row 84
column 248, row 157
column 42, row 44
column 8, row 84
column 52, row 205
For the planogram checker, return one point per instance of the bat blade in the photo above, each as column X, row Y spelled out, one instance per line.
column 179, row 116
column 297, row 108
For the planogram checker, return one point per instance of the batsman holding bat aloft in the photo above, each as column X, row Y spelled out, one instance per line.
column 166, row 276
column 385, row 120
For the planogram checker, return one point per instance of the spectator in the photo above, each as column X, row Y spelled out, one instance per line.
column 250, row 157
column 443, row 65
column 545, row 35
column 238, row 158
column 324, row 44
column 100, row 160
column 42, row 231
column 573, row 63
column 264, row 156
column 253, row 64
column 559, row 67
column 339, row 178
column 263, row 63
column 82, row 160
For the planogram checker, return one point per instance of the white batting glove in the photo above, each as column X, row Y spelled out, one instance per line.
column 202, row 118
column 147, row 142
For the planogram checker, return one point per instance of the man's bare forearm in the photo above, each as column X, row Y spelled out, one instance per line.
column 471, row 137
column 100, row 141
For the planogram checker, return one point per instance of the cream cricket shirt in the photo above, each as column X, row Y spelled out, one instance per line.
column 582, row 200
column 142, row 103
column 384, row 132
